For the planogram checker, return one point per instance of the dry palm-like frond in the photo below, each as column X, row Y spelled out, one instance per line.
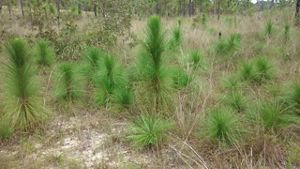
column 23, row 107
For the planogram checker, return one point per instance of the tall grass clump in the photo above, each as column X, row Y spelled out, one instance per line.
column 228, row 46
column 286, row 33
column 5, row 130
column 149, row 131
column 68, row 83
column 180, row 78
column 23, row 109
column 151, row 68
column 236, row 100
column 292, row 98
column 44, row 53
column 269, row 28
column 257, row 71
column 196, row 59
column 222, row 126
column 275, row 116
column 176, row 37
column 111, row 82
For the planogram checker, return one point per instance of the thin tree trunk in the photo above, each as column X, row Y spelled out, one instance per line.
column 179, row 7
column 219, row 9
column 1, row 2
column 272, row 4
column 297, row 14
column 190, row 8
column 157, row 8
column 22, row 7
column 58, row 11
column 95, row 8
column 9, row 8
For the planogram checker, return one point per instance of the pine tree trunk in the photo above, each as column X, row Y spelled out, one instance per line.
column 297, row 14
column 179, row 7
column 272, row 4
column 9, row 8
column 219, row 9
column 22, row 7
column 1, row 1
column 58, row 11
column 190, row 8
column 95, row 8
column 157, row 8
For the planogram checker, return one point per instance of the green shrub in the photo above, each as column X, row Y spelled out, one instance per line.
column 23, row 109
column 247, row 72
column 222, row 125
column 148, row 131
column 123, row 96
column 69, row 83
column 44, row 53
column 286, row 33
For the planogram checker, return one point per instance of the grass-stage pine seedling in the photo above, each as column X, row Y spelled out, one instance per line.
column 257, row 71
column 93, row 57
column 44, row 53
column 236, row 100
column 149, row 131
column 196, row 59
column 69, row 83
column 23, row 107
column 223, row 126
column 274, row 116
column 227, row 47
column 292, row 98
column 180, row 78
column 110, row 79
column 269, row 29
column 176, row 37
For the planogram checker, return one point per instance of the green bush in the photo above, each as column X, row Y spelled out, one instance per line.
column 176, row 37
column 228, row 46
column 180, row 78
column 5, row 130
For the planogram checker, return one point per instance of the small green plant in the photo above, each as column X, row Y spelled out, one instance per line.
column 286, row 33
column 23, row 109
column 176, row 37
column 275, row 116
column 196, row 59
column 5, row 130
column 292, row 98
column 236, row 100
column 222, row 125
column 68, row 83
column 123, row 96
column 247, row 72
column 44, row 53
column 232, row 83
column 148, row 131
column 180, row 78
column 227, row 47
column 257, row 71
column 109, row 78
column 93, row 58
column 264, row 70
column 269, row 29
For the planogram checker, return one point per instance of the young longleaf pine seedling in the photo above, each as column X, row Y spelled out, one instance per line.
column 23, row 109
column 44, row 53
column 222, row 125
column 149, row 131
